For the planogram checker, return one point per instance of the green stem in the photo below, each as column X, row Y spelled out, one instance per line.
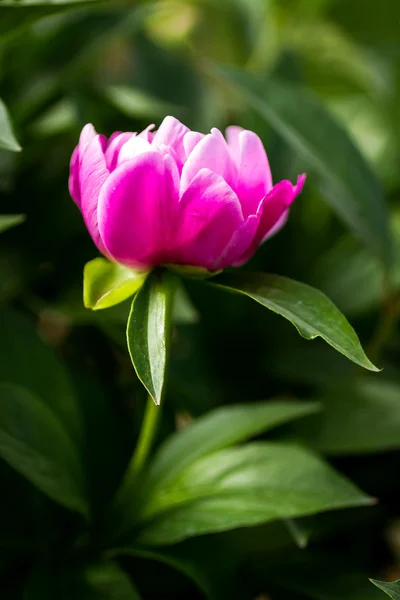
column 146, row 437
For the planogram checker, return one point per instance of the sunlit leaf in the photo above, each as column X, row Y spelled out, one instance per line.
column 310, row 311
column 107, row 283
column 7, row 138
column 149, row 331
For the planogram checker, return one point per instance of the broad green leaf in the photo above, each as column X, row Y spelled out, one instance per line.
column 8, row 221
column 243, row 486
column 26, row 360
column 359, row 418
column 7, row 137
column 136, row 103
column 220, row 428
column 391, row 588
column 36, row 444
column 310, row 311
column 353, row 276
column 106, row 283
column 353, row 192
column 100, row 581
column 16, row 14
column 149, row 331
column 205, row 561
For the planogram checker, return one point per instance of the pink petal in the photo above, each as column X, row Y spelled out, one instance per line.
column 232, row 135
column 190, row 141
column 132, row 148
column 137, row 205
column 115, row 143
column 93, row 174
column 273, row 211
column 147, row 134
column 210, row 153
column 238, row 246
column 73, row 181
column 254, row 174
column 209, row 214
column 171, row 133
column 88, row 134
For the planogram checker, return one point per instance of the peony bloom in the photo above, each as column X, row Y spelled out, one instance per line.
column 178, row 196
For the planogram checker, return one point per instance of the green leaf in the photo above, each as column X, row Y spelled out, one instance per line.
column 16, row 14
column 243, row 486
column 8, row 221
column 35, row 443
column 205, row 561
column 138, row 104
column 310, row 311
column 149, row 331
column 100, row 581
column 26, row 360
column 106, row 283
column 110, row 582
column 7, row 137
column 360, row 418
column 354, row 193
column 220, row 428
column 391, row 588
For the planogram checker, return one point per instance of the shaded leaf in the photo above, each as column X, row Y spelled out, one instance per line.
column 354, row 193
column 107, row 283
column 360, row 418
column 34, row 442
column 391, row 588
column 26, row 360
column 243, row 486
column 102, row 581
column 220, row 428
column 7, row 137
column 149, row 331
column 310, row 311
column 8, row 221
column 15, row 14
column 136, row 103
column 205, row 561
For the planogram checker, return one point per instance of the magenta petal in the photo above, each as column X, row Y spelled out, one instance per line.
column 209, row 215
column 73, row 181
column 132, row 148
column 171, row 133
column 274, row 207
column 191, row 140
column 240, row 243
column 93, row 174
column 147, row 134
column 88, row 134
column 116, row 141
column 210, row 153
column 137, row 205
column 232, row 135
column 254, row 173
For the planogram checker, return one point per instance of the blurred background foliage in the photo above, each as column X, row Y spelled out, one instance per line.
column 319, row 81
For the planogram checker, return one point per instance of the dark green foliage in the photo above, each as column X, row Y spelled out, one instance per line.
column 274, row 467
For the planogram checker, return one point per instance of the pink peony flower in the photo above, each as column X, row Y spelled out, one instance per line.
column 178, row 196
